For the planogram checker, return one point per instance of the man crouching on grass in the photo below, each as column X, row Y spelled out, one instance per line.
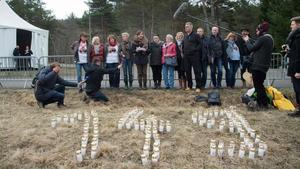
column 50, row 87
column 94, row 76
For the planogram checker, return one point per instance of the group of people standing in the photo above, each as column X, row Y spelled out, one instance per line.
column 192, row 50
column 187, row 51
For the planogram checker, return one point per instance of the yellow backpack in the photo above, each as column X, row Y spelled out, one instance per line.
column 279, row 100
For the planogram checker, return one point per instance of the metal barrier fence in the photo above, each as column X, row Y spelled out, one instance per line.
column 19, row 71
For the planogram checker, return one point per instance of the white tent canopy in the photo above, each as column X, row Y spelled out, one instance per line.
column 10, row 22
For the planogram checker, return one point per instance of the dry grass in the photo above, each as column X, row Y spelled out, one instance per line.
column 28, row 141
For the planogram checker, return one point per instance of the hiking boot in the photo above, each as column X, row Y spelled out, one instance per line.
column 295, row 114
column 187, row 89
column 40, row 104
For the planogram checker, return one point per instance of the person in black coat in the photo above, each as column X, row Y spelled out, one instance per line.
column 180, row 60
column 94, row 76
column 155, row 49
column 261, row 55
column 17, row 53
column 204, row 56
column 50, row 87
column 28, row 53
column 293, row 52
column 191, row 49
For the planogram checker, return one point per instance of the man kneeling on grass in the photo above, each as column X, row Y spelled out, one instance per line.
column 50, row 87
column 94, row 76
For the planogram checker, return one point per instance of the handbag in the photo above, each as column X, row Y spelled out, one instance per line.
column 171, row 61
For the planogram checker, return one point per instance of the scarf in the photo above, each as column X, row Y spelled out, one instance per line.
column 82, row 47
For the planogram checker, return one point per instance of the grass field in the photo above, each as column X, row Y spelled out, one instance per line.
column 27, row 140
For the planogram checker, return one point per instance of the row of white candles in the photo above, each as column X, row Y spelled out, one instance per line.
column 129, row 119
column 151, row 133
column 67, row 119
column 237, row 124
column 220, row 151
column 80, row 154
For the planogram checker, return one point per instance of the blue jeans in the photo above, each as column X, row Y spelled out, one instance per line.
column 114, row 78
column 52, row 96
column 127, row 70
column 168, row 73
column 79, row 67
column 213, row 68
column 233, row 67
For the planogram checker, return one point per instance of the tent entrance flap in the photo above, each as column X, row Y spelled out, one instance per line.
column 23, row 39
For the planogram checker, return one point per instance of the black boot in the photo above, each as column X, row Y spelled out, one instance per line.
column 130, row 85
column 295, row 114
column 126, row 85
column 145, row 85
column 155, row 84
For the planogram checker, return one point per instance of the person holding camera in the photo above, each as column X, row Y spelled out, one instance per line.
column 261, row 60
column 50, row 87
column 293, row 52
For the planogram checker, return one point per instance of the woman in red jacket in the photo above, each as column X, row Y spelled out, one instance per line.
column 169, row 61
column 97, row 51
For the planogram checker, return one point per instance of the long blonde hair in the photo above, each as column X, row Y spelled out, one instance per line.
column 231, row 34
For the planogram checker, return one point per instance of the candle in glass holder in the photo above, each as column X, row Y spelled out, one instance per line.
column 79, row 157
column 79, row 116
column 93, row 152
column 230, row 150
column 83, row 149
column 53, row 123
column 251, row 153
column 209, row 125
column 144, row 159
column 257, row 139
column 194, row 118
column 154, row 158
column 261, row 151
column 66, row 119
column 242, row 152
column 220, row 150
column 58, row 118
column 213, row 150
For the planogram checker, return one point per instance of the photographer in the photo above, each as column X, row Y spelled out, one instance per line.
column 261, row 55
column 293, row 52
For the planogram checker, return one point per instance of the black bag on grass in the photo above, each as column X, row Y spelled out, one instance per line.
column 214, row 98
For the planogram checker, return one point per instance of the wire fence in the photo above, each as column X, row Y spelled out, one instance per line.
column 16, row 72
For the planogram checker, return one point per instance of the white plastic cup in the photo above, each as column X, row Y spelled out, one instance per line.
column 209, row 125
column 66, row 119
column 72, row 120
column 257, row 139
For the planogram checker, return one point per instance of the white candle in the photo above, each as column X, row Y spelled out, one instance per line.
column 257, row 139
column 168, row 128
column 213, row 151
column 154, row 158
column 241, row 152
column 128, row 125
column 83, row 149
column 194, row 118
column 230, row 151
column 53, row 123
column 231, row 129
column 221, row 127
column 72, row 120
column 93, row 152
column 252, row 133
column 261, row 151
column 66, row 119
column 79, row 116
column 79, row 157
column 58, row 118
column 216, row 113
column 220, row 150
column 144, row 159
column 209, row 125
column 242, row 134
column 252, row 153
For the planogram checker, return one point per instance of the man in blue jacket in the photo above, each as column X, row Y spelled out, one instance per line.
column 50, row 87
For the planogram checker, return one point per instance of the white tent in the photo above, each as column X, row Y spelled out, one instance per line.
column 10, row 22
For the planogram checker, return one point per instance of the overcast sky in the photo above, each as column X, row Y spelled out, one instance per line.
column 63, row 8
